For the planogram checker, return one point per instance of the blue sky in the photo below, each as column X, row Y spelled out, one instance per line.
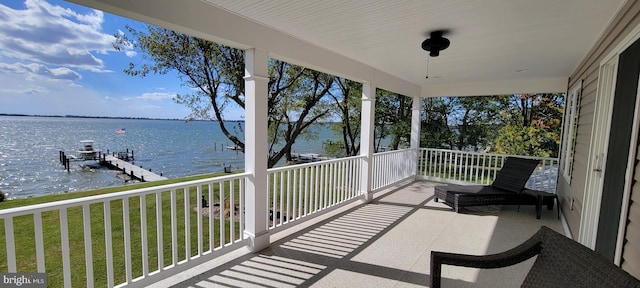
column 56, row 58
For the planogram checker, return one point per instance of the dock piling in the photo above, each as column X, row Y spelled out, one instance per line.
column 131, row 170
column 122, row 161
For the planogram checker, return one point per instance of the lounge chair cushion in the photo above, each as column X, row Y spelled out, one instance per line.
column 514, row 174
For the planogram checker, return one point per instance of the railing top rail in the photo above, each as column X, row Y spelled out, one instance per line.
column 488, row 154
column 25, row 210
column 297, row 166
column 393, row 151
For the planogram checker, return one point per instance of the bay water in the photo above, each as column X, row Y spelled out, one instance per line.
column 29, row 150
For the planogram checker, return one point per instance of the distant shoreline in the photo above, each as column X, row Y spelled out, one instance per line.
column 103, row 117
column 124, row 118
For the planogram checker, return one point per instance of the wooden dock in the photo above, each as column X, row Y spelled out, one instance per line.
column 308, row 157
column 130, row 170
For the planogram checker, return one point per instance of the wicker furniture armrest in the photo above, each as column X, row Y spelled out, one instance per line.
column 510, row 257
column 560, row 262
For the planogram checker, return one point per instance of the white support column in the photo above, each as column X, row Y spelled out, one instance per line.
column 415, row 132
column 256, row 81
column 366, row 138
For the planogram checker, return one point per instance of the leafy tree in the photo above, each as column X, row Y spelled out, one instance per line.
column 434, row 128
column 393, row 119
column 461, row 123
column 347, row 99
column 473, row 117
column 524, row 124
column 296, row 101
column 532, row 125
column 530, row 140
column 216, row 73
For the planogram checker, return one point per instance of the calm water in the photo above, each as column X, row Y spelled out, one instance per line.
column 29, row 151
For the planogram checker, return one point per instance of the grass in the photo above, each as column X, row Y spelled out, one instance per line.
column 25, row 240
column 308, row 190
column 300, row 196
column 471, row 173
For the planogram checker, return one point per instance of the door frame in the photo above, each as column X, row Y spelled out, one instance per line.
column 626, row 197
column 598, row 146
column 592, row 200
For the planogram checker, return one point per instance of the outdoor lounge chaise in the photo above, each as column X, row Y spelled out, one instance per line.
column 561, row 262
column 505, row 190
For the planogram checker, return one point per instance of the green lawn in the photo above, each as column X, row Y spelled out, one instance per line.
column 298, row 197
column 470, row 173
column 25, row 240
column 308, row 190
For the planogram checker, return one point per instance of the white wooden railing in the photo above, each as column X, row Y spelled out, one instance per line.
column 137, row 237
column 479, row 168
column 392, row 167
column 299, row 191
column 128, row 238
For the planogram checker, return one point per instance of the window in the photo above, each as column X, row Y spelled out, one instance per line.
column 570, row 130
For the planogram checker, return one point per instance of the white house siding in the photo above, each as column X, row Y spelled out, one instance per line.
column 573, row 190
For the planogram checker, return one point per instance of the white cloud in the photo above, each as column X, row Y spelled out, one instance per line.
column 157, row 96
column 58, row 98
column 19, row 91
column 45, row 49
column 131, row 53
column 37, row 72
column 51, row 34
column 65, row 73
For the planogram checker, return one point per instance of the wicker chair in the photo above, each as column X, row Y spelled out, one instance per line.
column 561, row 262
column 505, row 190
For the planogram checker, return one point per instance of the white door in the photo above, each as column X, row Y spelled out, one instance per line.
column 597, row 153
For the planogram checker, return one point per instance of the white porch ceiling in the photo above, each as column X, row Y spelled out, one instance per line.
column 497, row 46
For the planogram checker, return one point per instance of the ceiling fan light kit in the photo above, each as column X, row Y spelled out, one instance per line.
column 435, row 43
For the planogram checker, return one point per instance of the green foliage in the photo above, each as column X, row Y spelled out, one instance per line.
column 348, row 105
column 296, row 102
column 334, row 148
column 530, row 141
column 434, row 128
column 300, row 97
column 523, row 124
column 296, row 94
column 392, row 120
column 533, row 125
column 214, row 71
column 461, row 123
column 475, row 120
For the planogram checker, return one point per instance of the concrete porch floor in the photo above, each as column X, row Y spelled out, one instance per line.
column 386, row 243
